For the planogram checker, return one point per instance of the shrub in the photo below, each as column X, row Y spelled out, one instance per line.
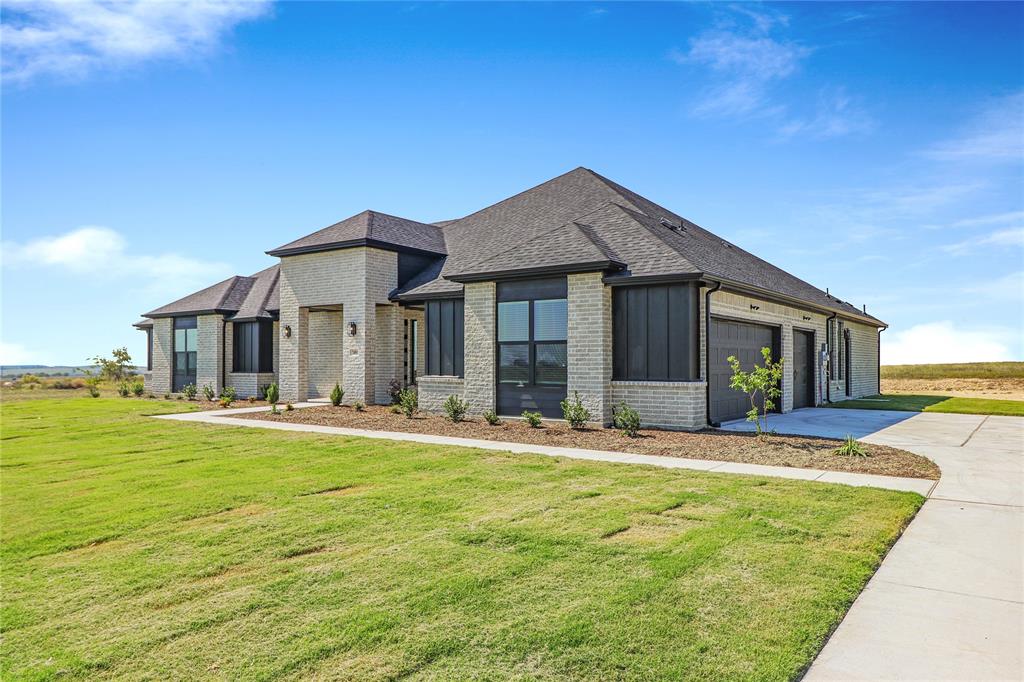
column 167, row 396
column 409, row 402
column 288, row 407
column 574, row 412
column 115, row 369
column 272, row 394
column 209, row 393
column 396, row 409
column 28, row 379
column 455, row 408
column 68, row 383
column 532, row 418
column 491, row 417
column 229, row 393
column 251, row 399
column 150, row 396
column 138, row 388
column 764, row 381
column 394, row 390
column 337, row 393
column 123, row 390
column 359, row 406
column 261, row 392
column 189, row 391
column 850, row 448
column 225, row 402
column 626, row 419
column 94, row 392
column 180, row 397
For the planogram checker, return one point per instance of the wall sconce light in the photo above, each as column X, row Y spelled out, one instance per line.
column 287, row 331
column 351, row 328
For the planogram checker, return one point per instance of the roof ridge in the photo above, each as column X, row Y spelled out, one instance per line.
column 518, row 244
column 518, row 194
column 600, row 244
column 229, row 290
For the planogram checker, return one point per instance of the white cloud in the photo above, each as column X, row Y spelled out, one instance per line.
column 1013, row 237
column 72, row 39
column 993, row 219
column 943, row 342
column 17, row 354
column 837, row 115
column 995, row 134
column 1006, row 288
column 101, row 252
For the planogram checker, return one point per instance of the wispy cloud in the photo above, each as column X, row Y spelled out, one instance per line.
column 102, row 253
column 944, row 341
column 837, row 114
column 1013, row 237
column 73, row 39
column 995, row 133
column 992, row 219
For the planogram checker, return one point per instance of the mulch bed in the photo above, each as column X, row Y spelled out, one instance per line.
column 790, row 451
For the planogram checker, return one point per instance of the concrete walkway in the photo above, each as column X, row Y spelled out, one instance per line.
column 948, row 601
column 222, row 417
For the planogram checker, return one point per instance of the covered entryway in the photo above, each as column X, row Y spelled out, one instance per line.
column 745, row 341
column 803, row 369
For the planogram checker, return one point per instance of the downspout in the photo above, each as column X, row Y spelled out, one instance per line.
column 828, row 368
column 707, row 353
column 880, row 359
column 223, row 353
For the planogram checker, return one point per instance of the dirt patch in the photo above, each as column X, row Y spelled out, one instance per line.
column 996, row 388
column 792, row 451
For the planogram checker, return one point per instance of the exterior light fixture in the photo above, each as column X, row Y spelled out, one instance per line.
column 351, row 328
column 287, row 331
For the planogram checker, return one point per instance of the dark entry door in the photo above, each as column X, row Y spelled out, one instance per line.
column 803, row 369
column 532, row 354
column 744, row 340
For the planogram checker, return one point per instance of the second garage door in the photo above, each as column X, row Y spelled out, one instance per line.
column 744, row 340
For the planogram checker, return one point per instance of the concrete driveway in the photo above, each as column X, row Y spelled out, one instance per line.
column 948, row 601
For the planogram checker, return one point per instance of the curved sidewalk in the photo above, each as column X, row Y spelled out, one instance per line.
column 919, row 485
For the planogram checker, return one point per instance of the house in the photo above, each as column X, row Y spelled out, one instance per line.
column 578, row 284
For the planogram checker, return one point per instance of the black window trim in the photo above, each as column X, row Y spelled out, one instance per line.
column 530, row 342
column 448, row 345
column 252, row 347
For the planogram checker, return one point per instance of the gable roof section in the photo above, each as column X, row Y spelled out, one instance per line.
column 369, row 228
column 241, row 297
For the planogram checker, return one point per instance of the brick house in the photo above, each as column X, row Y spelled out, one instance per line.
column 577, row 284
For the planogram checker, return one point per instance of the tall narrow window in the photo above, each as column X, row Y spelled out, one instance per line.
column 186, row 338
column 444, row 337
column 252, row 347
column 841, row 350
column 149, row 349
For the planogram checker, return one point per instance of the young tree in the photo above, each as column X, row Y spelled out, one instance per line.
column 116, row 368
column 764, row 381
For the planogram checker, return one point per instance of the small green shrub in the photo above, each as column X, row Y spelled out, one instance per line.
column 359, row 406
column 189, row 391
column 272, row 393
column 626, row 419
column 574, row 412
column 229, row 393
column 394, row 390
column 180, row 397
column 150, row 396
column 337, row 393
column 225, row 402
column 138, row 388
column 532, row 418
column 94, row 392
column 209, row 393
column 167, row 396
column 409, row 402
column 455, row 408
column 123, row 390
column 491, row 417
column 396, row 409
column 850, row 448
column 251, row 399
column 288, row 407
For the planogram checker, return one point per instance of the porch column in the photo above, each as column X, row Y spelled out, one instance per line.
column 293, row 375
column 478, row 346
column 589, row 344
column 387, row 351
column 357, row 365
column 210, row 352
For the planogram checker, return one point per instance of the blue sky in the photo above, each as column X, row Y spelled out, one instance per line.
column 152, row 149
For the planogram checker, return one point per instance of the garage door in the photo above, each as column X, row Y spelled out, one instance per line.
column 744, row 340
column 803, row 369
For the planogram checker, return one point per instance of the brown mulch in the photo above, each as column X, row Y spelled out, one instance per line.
column 1002, row 388
column 777, row 450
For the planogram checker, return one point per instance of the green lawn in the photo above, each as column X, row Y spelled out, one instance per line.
column 962, row 370
column 935, row 403
column 135, row 547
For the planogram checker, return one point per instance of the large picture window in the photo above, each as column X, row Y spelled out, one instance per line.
column 655, row 333
column 545, row 344
column 444, row 337
column 252, row 347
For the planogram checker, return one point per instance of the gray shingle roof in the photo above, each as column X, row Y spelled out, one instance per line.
column 370, row 227
column 244, row 297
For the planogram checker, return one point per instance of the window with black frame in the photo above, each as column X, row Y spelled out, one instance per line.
column 532, row 353
column 252, row 347
column 186, row 342
column 444, row 337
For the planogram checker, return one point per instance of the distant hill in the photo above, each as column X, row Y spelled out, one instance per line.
column 15, row 371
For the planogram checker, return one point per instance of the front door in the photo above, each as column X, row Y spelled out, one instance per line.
column 186, row 335
column 532, row 355
column 803, row 369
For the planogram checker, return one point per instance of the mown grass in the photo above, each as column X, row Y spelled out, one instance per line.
column 964, row 370
column 935, row 403
column 135, row 547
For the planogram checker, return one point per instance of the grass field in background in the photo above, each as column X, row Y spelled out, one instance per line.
column 967, row 370
column 935, row 403
column 135, row 547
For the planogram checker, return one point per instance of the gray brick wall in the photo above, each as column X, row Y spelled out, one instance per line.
column 159, row 380
column 589, row 344
column 325, row 352
column 210, row 367
column 664, row 404
column 433, row 391
column 479, row 346
column 387, row 351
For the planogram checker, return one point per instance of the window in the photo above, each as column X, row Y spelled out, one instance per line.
column 655, row 333
column 149, row 349
column 534, row 329
column 444, row 337
column 412, row 345
column 252, row 347
column 186, row 337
